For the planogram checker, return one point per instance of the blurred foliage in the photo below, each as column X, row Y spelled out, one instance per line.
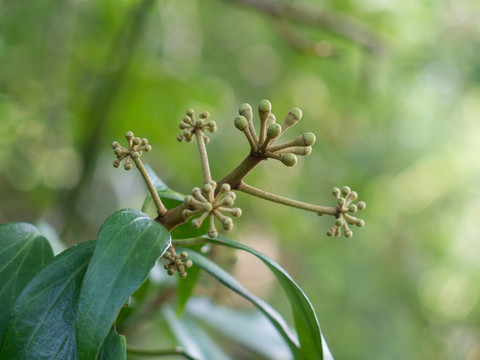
column 400, row 127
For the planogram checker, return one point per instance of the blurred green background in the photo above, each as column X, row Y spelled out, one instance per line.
column 396, row 112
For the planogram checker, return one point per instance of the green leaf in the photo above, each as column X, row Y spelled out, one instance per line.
column 229, row 281
column 128, row 245
column 114, row 347
column 306, row 323
column 23, row 252
column 42, row 325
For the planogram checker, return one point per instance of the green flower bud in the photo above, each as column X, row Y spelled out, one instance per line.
column 195, row 223
column 207, row 207
column 167, row 255
column 309, row 139
column 183, row 126
column 339, row 222
column 352, row 208
column 115, row 144
column 265, row 106
column 225, row 187
column 118, row 151
column 116, row 163
column 293, row 116
column 183, row 274
column 178, row 262
column 361, row 205
column 207, row 188
column 171, row 272
column 129, row 135
column 273, row 131
column 148, row 148
column 245, row 110
column 213, row 233
column 204, row 115
column 336, row 192
column 137, row 140
column 135, row 155
column 228, row 200
column 199, row 123
column 180, row 138
column 206, row 139
column 185, row 214
column 183, row 255
column 227, row 224
column 188, row 264
column 190, row 113
column 289, row 159
column 271, row 119
column 241, row 123
column 360, row 223
column 128, row 166
column 341, row 201
column 330, row 232
column 237, row 212
column 166, row 266
column 348, row 233
column 345, row 191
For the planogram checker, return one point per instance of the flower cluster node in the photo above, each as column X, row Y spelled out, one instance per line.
column 177, row 262
column 345, row 208
column 270, row 132
column 205, row 203
column 190, row 126
column 136, row 146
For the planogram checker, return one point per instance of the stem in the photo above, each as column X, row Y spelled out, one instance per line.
column 158, row 352
column 320, row 210
column 235, row 177
column 189, row 242
column 161, row 209
column 207, row 176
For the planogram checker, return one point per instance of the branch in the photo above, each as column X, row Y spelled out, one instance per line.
column 340, row 25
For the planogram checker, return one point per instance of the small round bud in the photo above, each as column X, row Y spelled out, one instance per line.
column 128, row 166
column 330, row 232
column 273, row 130
column 207, row 188
column 148, row 148
column 117, row 151
column 204, row 115
column 137, row 140
column 213, row 233
column 245, row 110
column 115, row 144
column 293, row 116
column 353, row 196
column 352, row 208
column 180, row 138
column 178, row 262
column 289, row 159
column 183, row 274
column 166, row 266
column 144, row 141
column 225, row 187
column 129, row 135
column 227, row 224
column 271, row 119
column 183, row 255
column 199, row 123
column 186, row 134
column 361, row 205
column 188, row 264
column 190, row 113
column 183, row 126
column 206, row 139
column 348, row 233
column 309, row 139
column 228, row 201
column 345, row 190
column 167, row 255
column 135, row 155
column 187, row 120
column 207, row 207
column 181, row 268
column 237, row 212
column 195, row 223
column 185, row 214
column 341, row 201
column 360, row 223
column 339, row 222
column 116, row 163
column 240, row 123
column 336, row 192
column 171, row 272
column 265, row 106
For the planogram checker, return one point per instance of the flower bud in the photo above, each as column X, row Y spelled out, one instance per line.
column 246, row 111
column 183, row 255
column 241, row 123
column 330, row 232
column 135, row 155
column 118, row 151
column 289, row 159
column 183, row 274
column 129, row 135
column 339, row 222
column 273, row 131
column 336, row 192
column 115, row 144
column 171, row 272
column 188, row 264
column 237, row 212
column 352, row 208
column 361, row 205
column 225, row 187
column 345, row 191
column 116, row 163
column 341, row 201
column 360, row 223
column 204, row 115
column 213, row 233
column 293, row 116
column 128, row 166
column 190, row 113
column 180, row 138
column 148, row 148
column 199, row 123
column 309, row 139
column 137, row 140
column 195, row 223
column 227, row 224
column 348, row 233
column 265, row 106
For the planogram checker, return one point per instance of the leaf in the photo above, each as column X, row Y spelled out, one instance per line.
column 114, row 347
column 42, row 325
column 128, row 245
column 246, row 327
column 306, row 322
column 229, row 281
column 23, row 252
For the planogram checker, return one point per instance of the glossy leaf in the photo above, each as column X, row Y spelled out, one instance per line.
column 306, row 323
column 128, row 245
column 42, row 325
column 23, row 252
column 229, row 281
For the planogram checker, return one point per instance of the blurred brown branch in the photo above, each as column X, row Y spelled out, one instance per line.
column 335, row 23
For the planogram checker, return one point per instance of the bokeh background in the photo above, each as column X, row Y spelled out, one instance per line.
column 390, row 88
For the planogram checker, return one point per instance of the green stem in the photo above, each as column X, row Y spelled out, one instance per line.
column 189, row 242
column 320, row 210
column 234, row 178
column 161, row 209
column 132, row 350
column 207, row 176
